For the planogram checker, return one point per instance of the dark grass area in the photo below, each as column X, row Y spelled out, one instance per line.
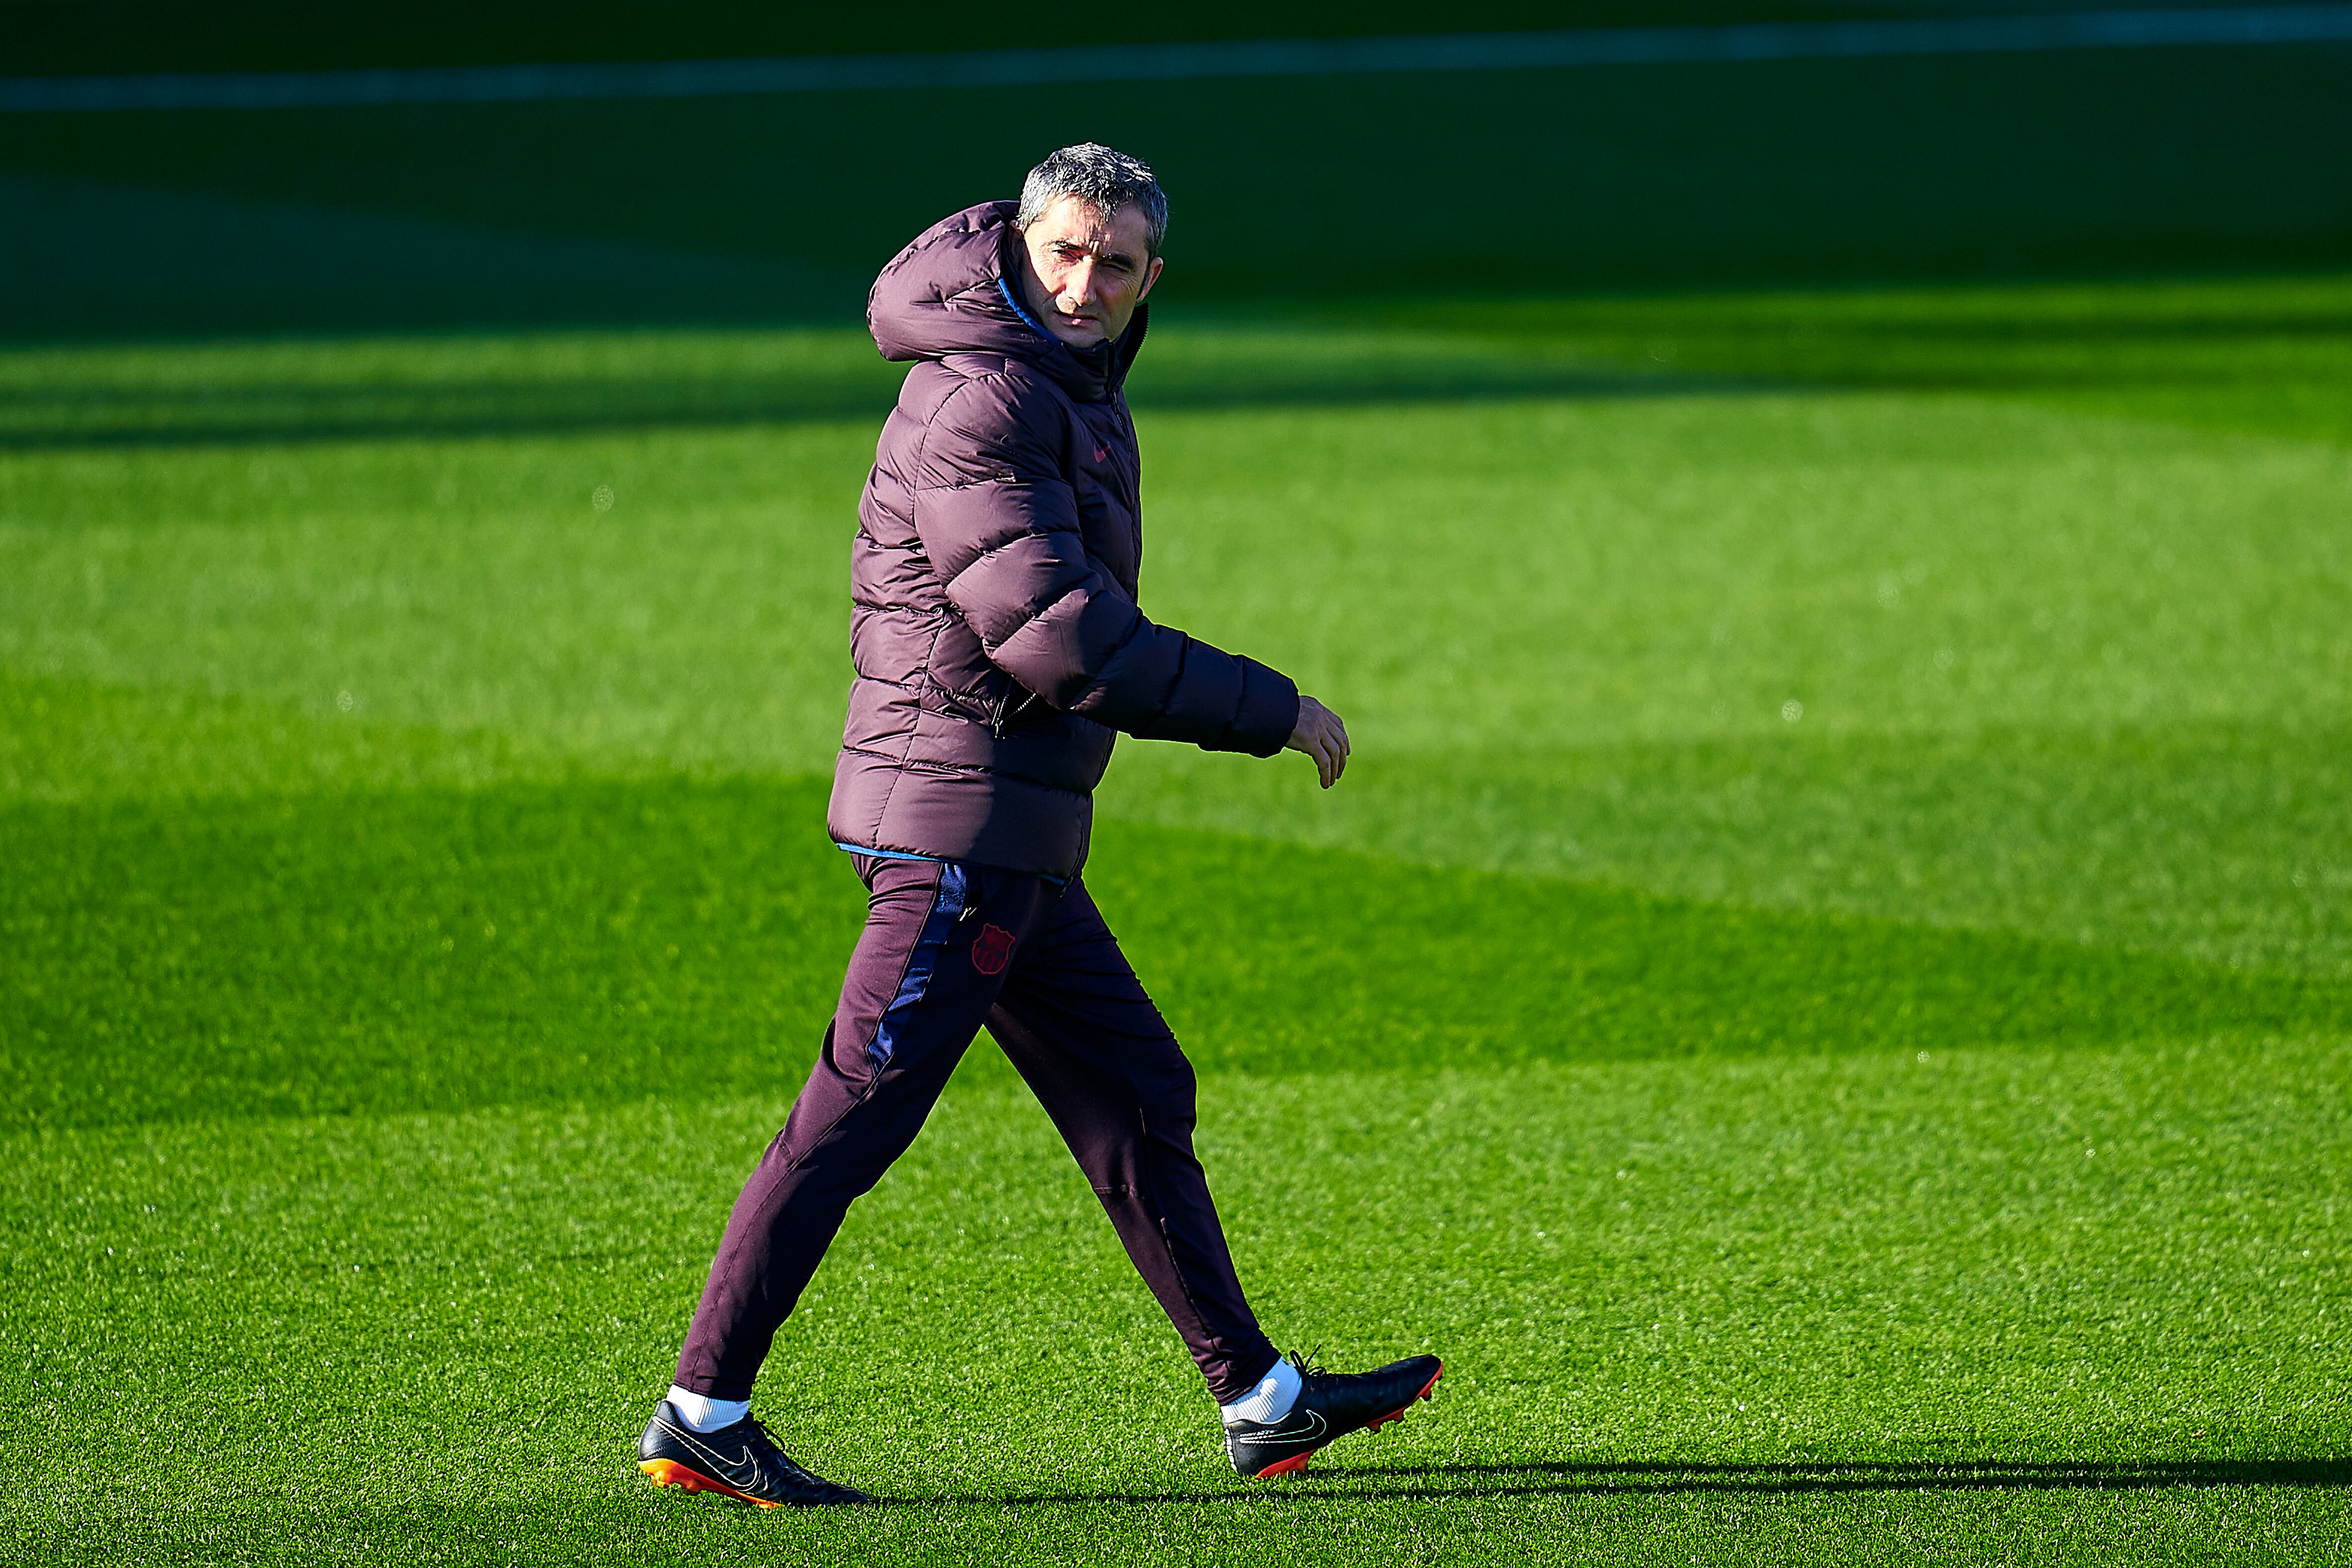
column 124, row 35
column 434, row 950
column 2190, row 826
column 765, row 208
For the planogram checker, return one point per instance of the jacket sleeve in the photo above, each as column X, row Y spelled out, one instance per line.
column 1000, row 523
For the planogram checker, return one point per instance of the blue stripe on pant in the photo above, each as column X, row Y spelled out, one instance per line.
column 948, row 910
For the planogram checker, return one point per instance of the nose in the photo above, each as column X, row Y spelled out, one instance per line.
column 1078, row 282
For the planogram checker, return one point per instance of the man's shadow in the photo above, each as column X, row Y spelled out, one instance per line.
column 1437, row 1482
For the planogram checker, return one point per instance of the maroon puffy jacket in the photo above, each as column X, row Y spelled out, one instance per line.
column 995, row 634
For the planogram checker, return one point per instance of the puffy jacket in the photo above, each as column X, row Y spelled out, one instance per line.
column 994, row 632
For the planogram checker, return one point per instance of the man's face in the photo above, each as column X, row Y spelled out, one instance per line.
column 1087, row 271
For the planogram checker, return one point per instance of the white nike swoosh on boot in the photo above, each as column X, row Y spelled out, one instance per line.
column 1315, row 1427
column 740, row 1471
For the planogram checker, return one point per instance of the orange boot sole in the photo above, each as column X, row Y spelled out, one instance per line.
column 670, row 1473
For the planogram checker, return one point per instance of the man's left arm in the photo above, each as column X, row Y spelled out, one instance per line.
column 1000, row 525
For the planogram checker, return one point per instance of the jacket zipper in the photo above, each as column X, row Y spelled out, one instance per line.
column 1000, row 720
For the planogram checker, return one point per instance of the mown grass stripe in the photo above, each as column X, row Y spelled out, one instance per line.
column 432, row 949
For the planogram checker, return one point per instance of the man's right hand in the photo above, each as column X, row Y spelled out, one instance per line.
column 1322, row 737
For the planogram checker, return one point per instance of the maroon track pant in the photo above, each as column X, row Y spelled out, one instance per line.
column 948, row 947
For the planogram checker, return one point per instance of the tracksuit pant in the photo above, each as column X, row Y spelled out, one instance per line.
column 948, row 947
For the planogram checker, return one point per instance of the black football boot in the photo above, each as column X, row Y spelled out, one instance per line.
column 1331, row 1405
column 739, row 1462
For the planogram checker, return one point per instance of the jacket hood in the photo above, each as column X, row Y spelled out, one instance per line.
column 951, row 292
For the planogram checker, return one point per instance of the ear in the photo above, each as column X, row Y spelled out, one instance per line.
column 1151, row 277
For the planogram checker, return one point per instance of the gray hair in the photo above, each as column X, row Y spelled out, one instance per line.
column 1103, row 179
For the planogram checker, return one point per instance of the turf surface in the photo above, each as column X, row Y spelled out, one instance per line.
column 1835, row 949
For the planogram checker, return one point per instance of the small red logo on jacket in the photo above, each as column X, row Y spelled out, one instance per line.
column 1102, row 454
column 991, row 950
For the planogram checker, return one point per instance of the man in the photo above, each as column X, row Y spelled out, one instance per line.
column 998, row 647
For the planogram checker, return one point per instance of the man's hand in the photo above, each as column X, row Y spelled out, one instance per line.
column 1322, row 737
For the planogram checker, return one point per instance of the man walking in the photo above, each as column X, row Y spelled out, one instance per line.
column 998, row 648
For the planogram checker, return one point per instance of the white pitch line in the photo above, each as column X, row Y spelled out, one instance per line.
column 1737, row 44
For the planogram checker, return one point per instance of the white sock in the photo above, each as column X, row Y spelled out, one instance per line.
column 1270, row 1401
column 705, row 1414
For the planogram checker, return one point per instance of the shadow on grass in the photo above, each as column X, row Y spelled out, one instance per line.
column 2215, row 338
column 1435, row 1483
column 437, row 949
column 1414, row 964
column 68, row 415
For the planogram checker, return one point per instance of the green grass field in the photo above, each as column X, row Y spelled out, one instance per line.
column 1825, row 995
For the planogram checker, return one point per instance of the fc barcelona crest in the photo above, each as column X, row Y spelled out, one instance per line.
column 991, row 950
